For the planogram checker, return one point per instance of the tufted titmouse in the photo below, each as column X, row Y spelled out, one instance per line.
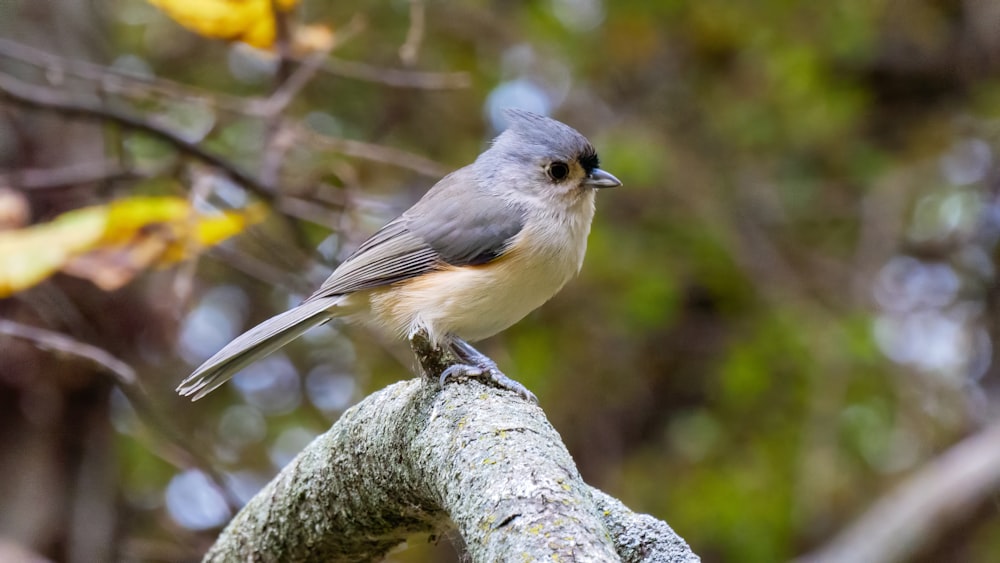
column 484, row 247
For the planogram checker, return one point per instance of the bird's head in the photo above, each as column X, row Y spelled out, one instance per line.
column 543, row 158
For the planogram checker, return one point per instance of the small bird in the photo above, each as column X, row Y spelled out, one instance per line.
column 488, row 244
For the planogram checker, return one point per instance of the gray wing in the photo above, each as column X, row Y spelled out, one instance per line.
column 454, row 224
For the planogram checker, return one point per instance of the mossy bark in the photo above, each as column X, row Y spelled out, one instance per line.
column 414, row 458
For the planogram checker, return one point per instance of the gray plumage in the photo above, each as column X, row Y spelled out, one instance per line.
column 465, row 232
column 469, row 218
column 253, row 345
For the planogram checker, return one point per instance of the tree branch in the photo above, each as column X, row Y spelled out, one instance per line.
column 397, row 78
column 414, row 458
column 112, row 81
column 415, row 35
column 68, row 176
column 370, row 151
column 919, row 510
column 41, row 97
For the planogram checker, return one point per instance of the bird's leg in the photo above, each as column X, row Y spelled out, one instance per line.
column 481, row 367
column 432, row 358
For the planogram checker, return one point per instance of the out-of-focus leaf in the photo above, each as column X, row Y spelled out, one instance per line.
column 28, row 256
column 14, row 210
column 110, row 244
column 208, row 231
column 311, row 39
column 112, row 267
column 249, row 21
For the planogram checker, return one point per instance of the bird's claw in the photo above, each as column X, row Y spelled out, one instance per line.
column 490, row 374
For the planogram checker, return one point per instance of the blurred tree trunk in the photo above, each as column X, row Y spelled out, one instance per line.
column 58, row 477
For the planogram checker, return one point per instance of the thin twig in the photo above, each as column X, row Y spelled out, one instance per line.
column 41, row 97
column 183, row 285
column 302, row 75
column 114, row 81
column 111, row 80
column 261, row 270
column 77, row 174
column 398, row 78
column 277, row 141
column 373, row 152
column 415, row 34
column 122, row 373
column 282, row 41
column 309, row 210
column 289, row 81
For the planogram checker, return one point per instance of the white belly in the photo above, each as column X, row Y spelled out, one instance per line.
column 476, row 302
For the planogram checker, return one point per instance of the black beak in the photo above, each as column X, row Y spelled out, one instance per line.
column 601, row 179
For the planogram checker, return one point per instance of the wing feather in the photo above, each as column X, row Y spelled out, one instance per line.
column 454, row 224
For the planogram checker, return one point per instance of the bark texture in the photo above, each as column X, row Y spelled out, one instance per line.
column 414, row 458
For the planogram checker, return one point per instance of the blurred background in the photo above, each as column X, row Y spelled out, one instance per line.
column 786, row 318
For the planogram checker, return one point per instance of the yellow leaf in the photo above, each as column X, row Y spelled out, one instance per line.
column 250, row 21
column 29, row 255
column 112, row 267
column 110, row 244
column 126, row 216
column 208, row 231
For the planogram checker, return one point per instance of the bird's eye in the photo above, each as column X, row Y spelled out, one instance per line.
column 558, row 171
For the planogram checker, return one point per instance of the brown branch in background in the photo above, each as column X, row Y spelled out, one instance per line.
column 42, row 97
column 312, row 211
column 51, row 99
column 278, row 141
column 415, row 34
column 122, row 373
column 920, row 510
column 282, row 41
column 398, row 78
column 125, row 379
column 288, row 82
column 262, row 270
column 290, row 88
column 373, row 152
column 71, row 175
column 183, row 283
column 114, row 81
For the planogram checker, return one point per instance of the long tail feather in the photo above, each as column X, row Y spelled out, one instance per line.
column 254, row 344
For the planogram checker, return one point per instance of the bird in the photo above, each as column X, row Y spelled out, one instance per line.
column 486, row 245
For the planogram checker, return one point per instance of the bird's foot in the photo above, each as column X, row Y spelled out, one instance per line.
column 489, row 372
